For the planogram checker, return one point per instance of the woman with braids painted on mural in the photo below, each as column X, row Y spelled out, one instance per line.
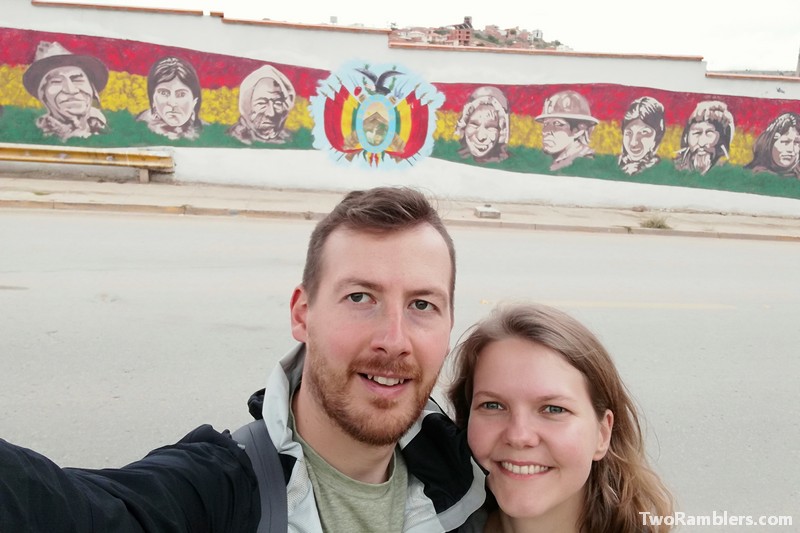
column 175, row 97
column 642, row 131
column 777, row 149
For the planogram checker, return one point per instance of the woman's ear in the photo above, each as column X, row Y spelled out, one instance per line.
column 605, row 426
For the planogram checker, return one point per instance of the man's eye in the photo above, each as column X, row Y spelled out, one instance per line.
column 554, row 409
column 422, row 305
column 357, row 297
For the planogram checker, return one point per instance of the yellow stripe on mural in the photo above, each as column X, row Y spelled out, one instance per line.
column 404, row 115
column 349, row 107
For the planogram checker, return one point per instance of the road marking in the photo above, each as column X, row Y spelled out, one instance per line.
column 599, row 304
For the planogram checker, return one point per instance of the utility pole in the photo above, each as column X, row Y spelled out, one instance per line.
column 798, row 65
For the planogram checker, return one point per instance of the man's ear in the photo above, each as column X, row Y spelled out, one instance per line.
column 299, row 313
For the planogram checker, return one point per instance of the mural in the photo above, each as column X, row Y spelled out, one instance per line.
column 90, row 91
column 706, row 137
column 375, row 114
column 642, row 131
column 483, row 128
column 777, row 149
column 265, row 98
column 175, row 95
column 567, row 125
column 68, row 86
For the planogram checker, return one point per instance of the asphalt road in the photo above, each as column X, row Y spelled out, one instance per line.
column 120, row 333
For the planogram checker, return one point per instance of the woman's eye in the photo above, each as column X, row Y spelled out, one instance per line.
column 491, row 406
column 554, row 409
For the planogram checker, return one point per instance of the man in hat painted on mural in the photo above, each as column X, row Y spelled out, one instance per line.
column 265, row 98
column 567, row 124
column 67, row 85
column 706, row 137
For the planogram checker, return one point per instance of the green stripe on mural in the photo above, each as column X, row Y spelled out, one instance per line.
column 18, row 125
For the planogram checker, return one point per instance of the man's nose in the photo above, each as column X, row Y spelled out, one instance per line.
column 69, row 86
column 391, row 333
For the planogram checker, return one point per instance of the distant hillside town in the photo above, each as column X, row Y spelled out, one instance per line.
column 464, row 34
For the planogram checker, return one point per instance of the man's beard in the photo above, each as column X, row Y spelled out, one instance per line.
column 701, row 161
column 373, row 424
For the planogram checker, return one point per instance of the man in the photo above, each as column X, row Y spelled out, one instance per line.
column 567, row 125
column 347, row 418
column 68, row 86
column 265, row 98
column 706, row 137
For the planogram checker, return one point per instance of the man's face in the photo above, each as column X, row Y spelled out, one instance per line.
column 702, row 142
column 67, row 92
column 378, row 329
column 786, row 149
column 557, row 135
column 268, row 108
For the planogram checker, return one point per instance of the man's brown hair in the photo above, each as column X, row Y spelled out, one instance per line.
column 378, row 210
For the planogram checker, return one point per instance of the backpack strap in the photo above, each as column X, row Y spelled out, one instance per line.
column 267, row 466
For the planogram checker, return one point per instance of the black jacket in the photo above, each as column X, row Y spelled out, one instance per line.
column 204, row 483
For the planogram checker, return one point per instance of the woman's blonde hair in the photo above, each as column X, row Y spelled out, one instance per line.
column 622, row 484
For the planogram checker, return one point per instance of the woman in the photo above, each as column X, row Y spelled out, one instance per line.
column 175, row 97
column 642, row 131
column 483, row 127
column 549, row 418
column 777, row 149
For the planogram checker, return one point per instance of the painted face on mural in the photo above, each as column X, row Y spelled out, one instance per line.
column 786, row 150
column 482, row 131
column 557, row 135
column 639, row 140
column 702, row 141
column 268, row 108
column 67, row 92
column 174, row 102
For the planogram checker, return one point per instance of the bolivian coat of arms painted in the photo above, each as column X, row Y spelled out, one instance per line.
column 376, row 115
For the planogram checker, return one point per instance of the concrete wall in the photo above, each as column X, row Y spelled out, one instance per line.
column 315, row 57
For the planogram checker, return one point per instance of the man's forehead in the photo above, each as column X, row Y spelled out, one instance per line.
column 362, row 240
column 65, row 71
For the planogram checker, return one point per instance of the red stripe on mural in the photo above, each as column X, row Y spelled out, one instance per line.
column 18, row 48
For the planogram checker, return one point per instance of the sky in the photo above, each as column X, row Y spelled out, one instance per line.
column 762, row 35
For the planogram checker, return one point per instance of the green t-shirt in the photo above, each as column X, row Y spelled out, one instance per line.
column 348, row 505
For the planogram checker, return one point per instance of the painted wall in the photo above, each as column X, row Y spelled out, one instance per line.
column 318, row 107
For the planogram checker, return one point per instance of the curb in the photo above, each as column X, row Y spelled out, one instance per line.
column 187, row 209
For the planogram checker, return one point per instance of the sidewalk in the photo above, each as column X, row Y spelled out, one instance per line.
column 215, row 200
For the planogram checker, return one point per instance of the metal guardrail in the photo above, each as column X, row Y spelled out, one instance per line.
column 145, row 160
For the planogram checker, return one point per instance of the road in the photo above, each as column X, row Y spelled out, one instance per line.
column 119, row 333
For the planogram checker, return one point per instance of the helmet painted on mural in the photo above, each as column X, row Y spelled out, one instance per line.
column 567, row 105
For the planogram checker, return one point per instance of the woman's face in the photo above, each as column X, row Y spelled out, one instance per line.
column 786, row 150
column 174, row 102
column 533, row 427
column 482, row 131
column 638, row 139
